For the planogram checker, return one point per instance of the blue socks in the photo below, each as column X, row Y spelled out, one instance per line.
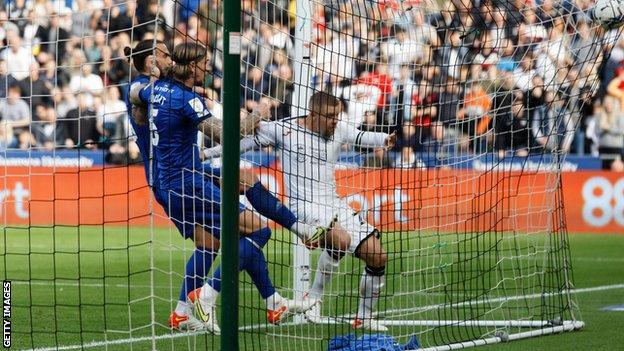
column 252, row 260
column 269, row 206
column 258, row 269
column 197, row 267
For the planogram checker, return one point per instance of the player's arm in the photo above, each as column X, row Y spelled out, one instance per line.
column 367, row 139
column 139, row 97
column 265, row 136
column 213, row 127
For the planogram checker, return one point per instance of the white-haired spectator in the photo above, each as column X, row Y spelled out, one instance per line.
column 17, row 56
column 87, row 82
column 6, row 26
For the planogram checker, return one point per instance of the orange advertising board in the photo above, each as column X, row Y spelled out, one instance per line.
column 393, row 199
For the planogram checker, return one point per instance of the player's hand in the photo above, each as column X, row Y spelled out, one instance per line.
column 200, row 91
column 390, row 140
column 249, row 124
column 139, row 113
column 263, row 110
column 252, row 120
column 312, row 245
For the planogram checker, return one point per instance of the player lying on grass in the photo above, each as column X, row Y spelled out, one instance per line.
column 179, row 184
column 309, row 148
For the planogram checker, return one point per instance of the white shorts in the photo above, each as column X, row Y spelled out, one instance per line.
column 323, row 214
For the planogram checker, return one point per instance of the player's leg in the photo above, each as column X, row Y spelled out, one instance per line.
column 263, row 201
column 272, row 208
column 192, row 208
column 373, row 278
column 252, row 260
column 197, row 267
column 335, row 244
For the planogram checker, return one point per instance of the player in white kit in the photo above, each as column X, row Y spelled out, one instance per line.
column 309, row 148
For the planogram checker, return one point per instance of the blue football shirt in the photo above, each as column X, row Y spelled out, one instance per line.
column 175, row 112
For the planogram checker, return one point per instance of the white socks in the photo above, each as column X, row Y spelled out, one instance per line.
column 273, row 301
column 326, row 267
column 303, row 231
column 370, row 286
column 208, row 294
column 183, row 308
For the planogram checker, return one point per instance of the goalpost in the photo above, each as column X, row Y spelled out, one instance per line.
column 485, row 97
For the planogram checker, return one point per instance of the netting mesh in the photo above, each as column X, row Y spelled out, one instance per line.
column 484, row 97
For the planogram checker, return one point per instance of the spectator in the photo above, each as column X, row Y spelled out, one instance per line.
column 616, row 86
column 7, row 137
column 17, row 56
column 43, row 127
column 19, row 11
column 513, row 132
column 610, row 128
column 122, row 21
column 78, row 127
column 111, row 121
column 254, row 85
column 80, row 19
column 473, row 119
column 54, row 37
column 6, row 26
column 401, row 50
column 87, row 82
column 361, row 99
column 404, row 89
column 36, row 91
column 15, row 111
column 6, row 80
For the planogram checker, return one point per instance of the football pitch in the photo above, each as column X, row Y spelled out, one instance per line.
column 69, row 285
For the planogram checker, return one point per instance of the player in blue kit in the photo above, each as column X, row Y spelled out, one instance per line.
column 176, row 113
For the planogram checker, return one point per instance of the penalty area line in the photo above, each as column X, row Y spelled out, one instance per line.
column 259, row 326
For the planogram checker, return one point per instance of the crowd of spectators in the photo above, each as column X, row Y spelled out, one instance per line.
column 453, row 77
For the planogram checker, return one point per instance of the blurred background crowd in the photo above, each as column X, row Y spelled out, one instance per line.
column 451, row 77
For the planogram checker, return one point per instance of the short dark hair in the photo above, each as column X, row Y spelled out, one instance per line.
column 140, row 52
column 321, row 101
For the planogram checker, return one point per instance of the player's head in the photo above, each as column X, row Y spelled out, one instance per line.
column 145, row 53
column 325, row 112
column 190, row 61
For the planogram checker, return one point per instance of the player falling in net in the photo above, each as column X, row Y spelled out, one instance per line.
column 179, row 184
column 309, row 148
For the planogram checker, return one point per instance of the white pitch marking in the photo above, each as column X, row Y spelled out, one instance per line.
column 259, row 326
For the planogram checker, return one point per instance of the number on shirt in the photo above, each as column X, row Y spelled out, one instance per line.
column 153, row 130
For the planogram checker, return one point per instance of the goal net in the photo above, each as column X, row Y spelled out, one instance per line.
column 484, row 98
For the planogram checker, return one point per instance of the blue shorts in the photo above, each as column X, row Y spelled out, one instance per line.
column 196, row 202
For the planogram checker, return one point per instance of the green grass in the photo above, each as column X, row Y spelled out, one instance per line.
column 84, row 285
